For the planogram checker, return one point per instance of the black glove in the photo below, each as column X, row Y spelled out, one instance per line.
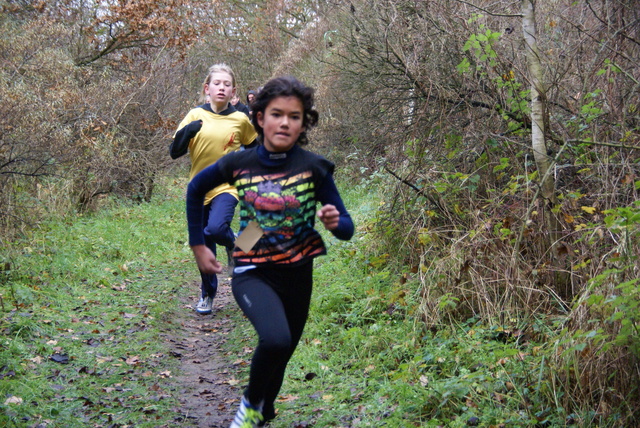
column 180, row 144
column 193, row 128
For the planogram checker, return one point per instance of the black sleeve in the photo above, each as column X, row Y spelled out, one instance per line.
column 244, row 109
column 180, row 144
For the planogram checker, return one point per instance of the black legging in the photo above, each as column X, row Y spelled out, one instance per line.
column 276, row 301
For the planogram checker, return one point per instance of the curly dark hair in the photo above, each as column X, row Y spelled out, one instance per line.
column 286, row 86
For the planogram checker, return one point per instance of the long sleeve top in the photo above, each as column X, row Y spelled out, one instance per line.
column 207, row 136
column 280, row 192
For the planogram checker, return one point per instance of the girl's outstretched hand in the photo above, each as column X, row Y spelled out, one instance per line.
column 193, row 128
column 329, row 216
column 205, row 259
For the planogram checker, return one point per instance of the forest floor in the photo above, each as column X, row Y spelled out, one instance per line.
column 205, row 384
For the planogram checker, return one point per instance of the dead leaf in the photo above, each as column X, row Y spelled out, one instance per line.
column 87, row 370
column 133, row 360
column 287, row 398
column 60, row 358
column 101, row 360
column 13, row 400
column 628, row 179
column 424, row 381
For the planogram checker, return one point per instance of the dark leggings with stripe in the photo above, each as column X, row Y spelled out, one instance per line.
column 276, row 301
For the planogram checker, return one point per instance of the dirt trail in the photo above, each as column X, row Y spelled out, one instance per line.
column 206, row 385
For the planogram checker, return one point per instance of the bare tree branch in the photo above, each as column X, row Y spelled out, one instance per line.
column 508, row 15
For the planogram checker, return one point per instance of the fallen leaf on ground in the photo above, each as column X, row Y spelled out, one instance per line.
column 60, row 358
column 13, row 400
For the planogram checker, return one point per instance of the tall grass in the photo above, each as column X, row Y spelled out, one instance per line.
column 485, row 259
column 368, row 359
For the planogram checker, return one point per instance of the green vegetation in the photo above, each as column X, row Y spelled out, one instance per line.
column 494, row 276
column 86, row 298
column 372, row 358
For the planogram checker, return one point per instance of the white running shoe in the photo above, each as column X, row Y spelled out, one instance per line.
column 247, row 417
column 204, row 305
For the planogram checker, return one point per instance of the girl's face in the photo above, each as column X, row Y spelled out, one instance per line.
column 220, row 89
column 281, row 123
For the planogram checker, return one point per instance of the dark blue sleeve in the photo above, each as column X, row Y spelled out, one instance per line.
column 328, row 194
column 205, row 180
column 245, row 110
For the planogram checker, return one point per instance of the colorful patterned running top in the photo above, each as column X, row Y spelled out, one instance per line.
column 280, row 192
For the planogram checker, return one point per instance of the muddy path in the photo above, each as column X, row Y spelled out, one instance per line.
column 205, row 384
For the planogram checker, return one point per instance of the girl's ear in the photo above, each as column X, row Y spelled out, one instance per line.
column 260, row 119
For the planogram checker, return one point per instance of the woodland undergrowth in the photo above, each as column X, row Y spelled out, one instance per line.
column 476, row 246
column 407, row 326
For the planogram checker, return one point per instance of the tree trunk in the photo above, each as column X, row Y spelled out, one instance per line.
column 544, row 163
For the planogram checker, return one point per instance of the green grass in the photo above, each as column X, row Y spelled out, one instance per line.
column 101, row 289
column 367, row 360
column 96, row 290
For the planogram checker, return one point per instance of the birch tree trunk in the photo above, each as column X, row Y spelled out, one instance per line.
column 543, row 162
column 538, row 96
